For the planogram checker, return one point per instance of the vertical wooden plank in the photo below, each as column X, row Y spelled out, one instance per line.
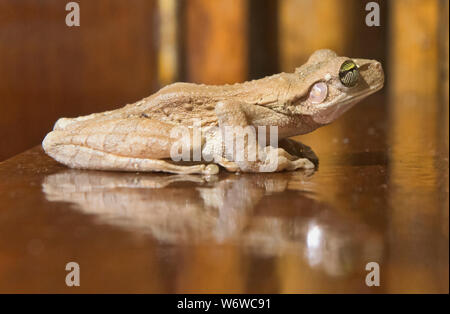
column 216, row 41
column 168, row 41
column 443, row 125
column 414, row 50
column 414, row 106
column 444, row 57
column 444, row 76
column 263, row 38
column 50, row 70
column 308, row 25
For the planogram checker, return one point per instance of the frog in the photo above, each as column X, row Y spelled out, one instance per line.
column 139, row 136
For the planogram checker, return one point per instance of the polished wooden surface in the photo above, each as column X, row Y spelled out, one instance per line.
column 281, row 233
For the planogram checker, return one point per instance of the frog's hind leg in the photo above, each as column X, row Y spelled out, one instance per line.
column 80, row 157
column 130, row 144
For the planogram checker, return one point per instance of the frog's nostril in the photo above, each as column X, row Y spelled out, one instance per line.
column 376, row 66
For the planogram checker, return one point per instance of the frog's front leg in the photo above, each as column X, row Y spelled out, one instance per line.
column 236, row 117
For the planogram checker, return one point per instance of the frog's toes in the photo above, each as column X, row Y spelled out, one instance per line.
column 211, row 169
column 301, row 163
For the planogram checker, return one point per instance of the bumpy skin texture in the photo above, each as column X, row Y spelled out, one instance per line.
column 137, row 136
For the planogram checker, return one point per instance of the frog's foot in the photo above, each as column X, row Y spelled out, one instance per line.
column 299, row 150
column 278, row 159
column 206, row 169
column 271, row 160
column 230, row 166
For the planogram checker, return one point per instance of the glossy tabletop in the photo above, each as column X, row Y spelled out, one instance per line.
column 377, row 196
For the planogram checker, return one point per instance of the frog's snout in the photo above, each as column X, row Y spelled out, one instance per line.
column 373, row 74
column 377, row 69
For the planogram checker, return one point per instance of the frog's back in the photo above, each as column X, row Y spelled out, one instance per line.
column 182, row 103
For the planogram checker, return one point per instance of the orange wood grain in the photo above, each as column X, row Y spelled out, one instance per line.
column 415, row 141
column 216, row 41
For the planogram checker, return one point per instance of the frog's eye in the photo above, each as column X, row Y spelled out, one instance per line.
column 349, row 73
column 318, row 93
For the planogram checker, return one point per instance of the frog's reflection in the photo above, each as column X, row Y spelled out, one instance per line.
column 259, row 212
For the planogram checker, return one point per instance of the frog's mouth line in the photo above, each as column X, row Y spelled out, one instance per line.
column 330, row 112
column 352, row 98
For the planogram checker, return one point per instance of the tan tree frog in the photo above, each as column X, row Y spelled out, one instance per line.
column 138, row 137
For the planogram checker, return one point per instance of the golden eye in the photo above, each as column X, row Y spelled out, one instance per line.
column 349, row 73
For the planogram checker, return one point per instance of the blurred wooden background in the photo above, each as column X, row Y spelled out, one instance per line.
column 126, row 50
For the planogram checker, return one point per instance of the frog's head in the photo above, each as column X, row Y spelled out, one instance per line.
column 329, row 85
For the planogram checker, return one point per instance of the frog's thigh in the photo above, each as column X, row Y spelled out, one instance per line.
column 130, row 137
column 121, row 144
